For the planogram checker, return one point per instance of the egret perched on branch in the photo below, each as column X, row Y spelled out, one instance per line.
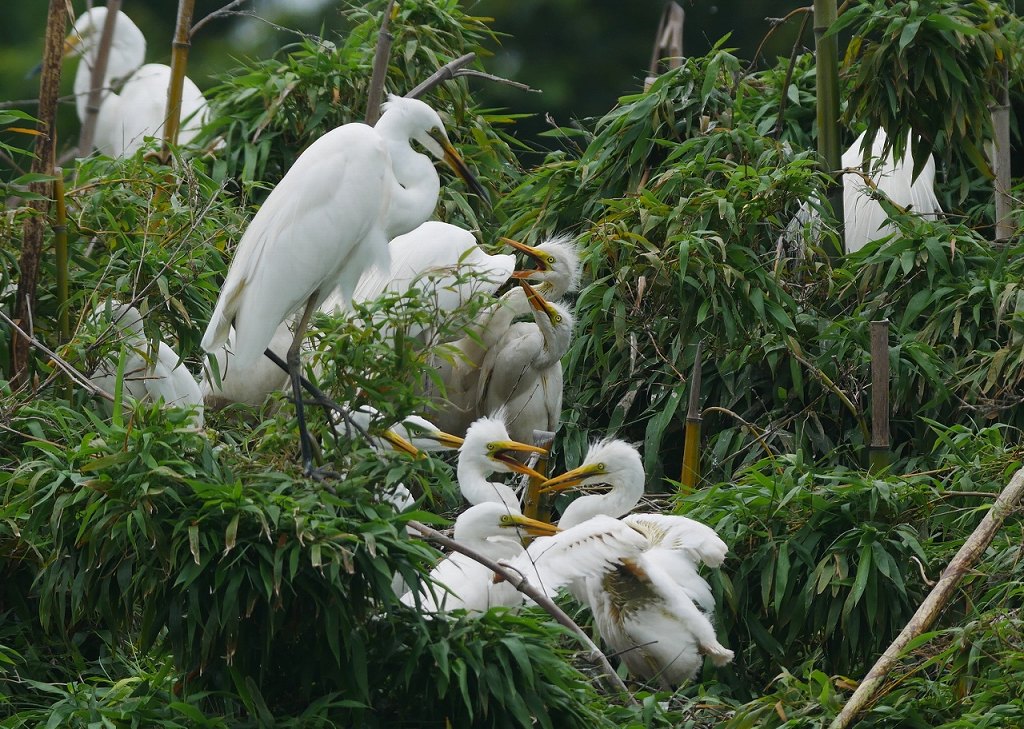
column 140, row 108
column 493, row 531
column 638, row 574
column 328, row 221
column 487, row 449
column 522, row 373
column 154, row 376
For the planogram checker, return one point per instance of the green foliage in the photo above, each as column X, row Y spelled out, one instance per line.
column 927, row 67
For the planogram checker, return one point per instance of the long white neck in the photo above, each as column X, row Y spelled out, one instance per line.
column 414, row 198
column 624, row 495
column 556, row 339
column 127, row 52
column 476, row 489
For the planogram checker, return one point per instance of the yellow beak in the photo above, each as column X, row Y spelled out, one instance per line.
column 446, row 439
column 454, row 160
column 532, row 526
column 569, row 479
column 537, row 301
column 501, row 450
column 542, row 266
column 400, row 444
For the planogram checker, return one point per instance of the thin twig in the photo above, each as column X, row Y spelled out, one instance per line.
column 59, row 361
column 446, row 71
column 972, row 550
column 219, row 13
column 497, row 79
column 608, row 676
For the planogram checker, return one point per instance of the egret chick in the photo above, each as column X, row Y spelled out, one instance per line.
column 557, row 262
column 487, row 449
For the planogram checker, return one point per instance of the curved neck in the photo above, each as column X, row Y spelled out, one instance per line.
column 414, row 198
column 556, row 340
column 624, row 495
column 476, row 489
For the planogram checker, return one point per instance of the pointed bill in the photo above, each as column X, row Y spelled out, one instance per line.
column 570, row 479
column 454, row 160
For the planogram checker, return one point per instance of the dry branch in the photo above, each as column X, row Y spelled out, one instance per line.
column 964, row 561
column 380, row 67
column 594, row 655
column 444, row 73
column 99, row 72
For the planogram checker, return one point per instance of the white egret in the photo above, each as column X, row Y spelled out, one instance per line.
column 487, row 449
column 557, row 262
column 140, row 108
column 161, row 376
column 328, row 221
column 493, row 531
column 522, row 373
column 252, row 385
column 864, row 218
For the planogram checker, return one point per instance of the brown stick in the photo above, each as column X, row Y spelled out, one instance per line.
column 218, row 13
column 179, row 62
column 96, row 84
column 1001, row 158
column 444, row 73
column 593, row 654
column 32, row 242
column 880, row 441
column 380, row 67
column 922, row 620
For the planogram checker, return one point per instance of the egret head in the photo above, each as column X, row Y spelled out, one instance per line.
column 494, row 519
column 556, row 263
column 419, row 122
column 426, row 436
column 84, row 38
column 559, row 316
column 608, row 462
column 487, row 443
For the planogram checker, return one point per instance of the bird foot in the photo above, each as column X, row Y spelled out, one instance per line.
column 321, row 474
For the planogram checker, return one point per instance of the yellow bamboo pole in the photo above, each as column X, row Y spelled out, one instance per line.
column 179, row 63
column 691, row 445
column 536, row 506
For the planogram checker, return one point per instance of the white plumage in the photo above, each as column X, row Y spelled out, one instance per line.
column 486, row 450
column 138, row 110
column 148, row 377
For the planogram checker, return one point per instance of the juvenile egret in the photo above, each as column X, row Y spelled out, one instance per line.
column 488, row 449
column 522, row 373
column 328, row 221
column 149, row 379
column 612, row 463
column 493, row 531
column 140, row 108
column 864, row 218
column 557, row 262
column 631, row 568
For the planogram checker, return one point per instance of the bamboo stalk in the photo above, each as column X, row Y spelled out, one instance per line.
column 827, row 75
column 32, row 240
column 691, row 444
column 179, row 63
column 96, row 80
column 965, row 559
column 60, row 244
column 593, row 654
column 1001, row 159
column 879, row 452
column 380, row 67
column 534, row 505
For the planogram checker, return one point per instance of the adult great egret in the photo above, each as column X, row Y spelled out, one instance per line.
column 493, row 531
column 140, row 108
column 328, row 221
column 487, row 449
column 161, row 377
column 522, row 373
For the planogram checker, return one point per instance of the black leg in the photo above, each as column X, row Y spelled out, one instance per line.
column 295, row 373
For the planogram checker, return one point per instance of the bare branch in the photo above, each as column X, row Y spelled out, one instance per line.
column 593, row 654
column 96, row 80
column 380, row 67
column 447, row 71
column 216, row 14
column 498, row 79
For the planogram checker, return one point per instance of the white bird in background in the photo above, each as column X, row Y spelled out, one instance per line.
column 522, row 373
column 638, row 574
column 487, row 449
column 494, row 531
column 250, row 386
column 328, row 221
column 160, row 377
column 140, row 108
column 865, row 220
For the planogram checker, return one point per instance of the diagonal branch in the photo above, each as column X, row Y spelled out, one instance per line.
column 593, row 654
column 444, row 73
column 380, row 67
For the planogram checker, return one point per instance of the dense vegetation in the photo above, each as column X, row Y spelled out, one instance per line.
column 151, row 575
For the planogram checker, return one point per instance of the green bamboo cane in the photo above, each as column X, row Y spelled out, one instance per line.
column 827, row 74
column 179, row 63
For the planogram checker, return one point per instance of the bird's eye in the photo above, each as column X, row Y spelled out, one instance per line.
column 600, row 467
column 490, row 447
column 506, row 519
column 551, row 259
column 558, row 319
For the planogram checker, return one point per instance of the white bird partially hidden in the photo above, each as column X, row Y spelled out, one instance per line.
column 864, row 218
column 149, row 376
column 138, row 109
column 486, row 450
column 522, row 373
column 327, row 222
